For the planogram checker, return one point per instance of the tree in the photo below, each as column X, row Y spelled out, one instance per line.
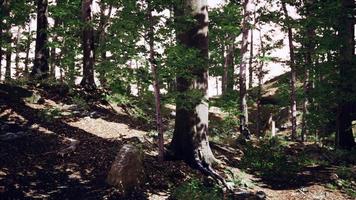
column 243, row 69
column 190, row 138
column 156, row 88
column 88, row 46
column 293, row 102
column 346, row 85
column 40, row 66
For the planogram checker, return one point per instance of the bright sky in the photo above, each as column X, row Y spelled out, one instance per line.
column 214, row 3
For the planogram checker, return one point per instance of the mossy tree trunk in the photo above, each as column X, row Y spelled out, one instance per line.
column 190, row 139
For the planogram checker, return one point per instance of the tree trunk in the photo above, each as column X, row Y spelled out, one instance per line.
column 260, row 76
column 8, row 53
column 250, row 70
column 156, row 88
column 101, row 41
column 28, row 48
column 228, row 69
column 310, row 45
column 293, row 102
column 40, row 66
column 190, row 138
column 88, row 47
column 1, row 43
column 53, row 51
column 243, row 68
column 8, row 60
column 17, row 52
column 345, row 138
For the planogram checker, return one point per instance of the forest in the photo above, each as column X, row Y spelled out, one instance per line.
column 178, row 99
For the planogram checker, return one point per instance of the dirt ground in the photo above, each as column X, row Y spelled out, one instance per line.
column 36, row 165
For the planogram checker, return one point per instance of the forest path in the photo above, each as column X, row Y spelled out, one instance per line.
column 31, row 166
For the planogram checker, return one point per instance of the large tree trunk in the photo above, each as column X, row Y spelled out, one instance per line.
column 345, row 138
column 190, row 138
column 243, row 69
column 293, row 102
column 156, row 88
column 88, row 47
column 40, row 66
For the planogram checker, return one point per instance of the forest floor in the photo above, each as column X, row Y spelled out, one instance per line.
column 35, row 163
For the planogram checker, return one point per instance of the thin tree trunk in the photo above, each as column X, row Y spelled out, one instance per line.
column 28, row 46
column 8, row 53
column 344, row 137
column 88, row 47
column 293, row 102
column 243, row 67
column 156, row 88
column 104, row 21
column 310, row 45
column 228, row 68
column 53, row 51
column 225, row 69
column 1, row 42
column 8, row 60
column 40, row 66
column 260, row 76
column 17, row 52
column 250, row 70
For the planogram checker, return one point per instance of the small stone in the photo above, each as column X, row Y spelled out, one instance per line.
column 94, row 114
column 260, row 195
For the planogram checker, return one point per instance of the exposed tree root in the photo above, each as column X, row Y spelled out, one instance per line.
column 71, row 146
column 207, row 170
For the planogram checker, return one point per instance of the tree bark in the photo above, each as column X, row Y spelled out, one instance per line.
column 88, row 47
column 8, row 59
column 310, row 45
column 40, row 66
column 53, row 50
column 346, row 105
column 28, row 48
column 243, row 68
column 17, row 52
column 101, row 41
column 228, row 77
column 293, row 102
column 156, row 88
column 260, row 76
column 190, row 138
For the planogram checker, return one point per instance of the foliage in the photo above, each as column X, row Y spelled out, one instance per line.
column 269, row 160
column 194, row 189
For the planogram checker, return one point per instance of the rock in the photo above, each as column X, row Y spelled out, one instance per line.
column 126, row 172
column 94, row 114
column 261, row 195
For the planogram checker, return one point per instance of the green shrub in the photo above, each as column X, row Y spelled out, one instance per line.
column 194, row 189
